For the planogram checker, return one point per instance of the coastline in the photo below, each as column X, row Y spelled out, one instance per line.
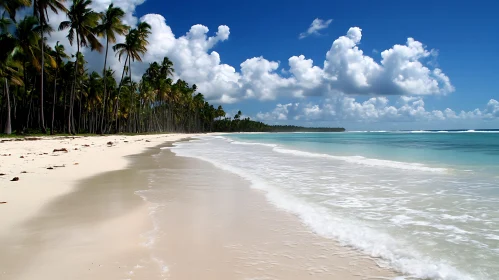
column 92, row 225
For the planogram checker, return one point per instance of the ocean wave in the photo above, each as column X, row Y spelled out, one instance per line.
column 364, row 161
column 253, row 144
column 397, row 255
column 368, row 131
column 350, row 159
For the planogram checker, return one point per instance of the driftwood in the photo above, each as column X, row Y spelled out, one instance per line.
column 60, row 150
column 32, row 138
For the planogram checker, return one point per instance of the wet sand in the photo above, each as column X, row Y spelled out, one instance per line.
column 212, row 225
column 168, row 217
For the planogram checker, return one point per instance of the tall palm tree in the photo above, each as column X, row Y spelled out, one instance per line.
column 111, row 25
column 133, row 48
column 82, row 23
column 40, row 8
column 58, row 54
column 9, row 71
column 28, row 39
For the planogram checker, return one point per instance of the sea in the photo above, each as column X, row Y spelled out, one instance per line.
column 425, row 203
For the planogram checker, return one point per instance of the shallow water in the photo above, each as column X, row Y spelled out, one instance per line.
column 426, row 203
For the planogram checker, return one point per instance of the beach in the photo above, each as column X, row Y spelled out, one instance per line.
column 135, row 210
column 60, row 218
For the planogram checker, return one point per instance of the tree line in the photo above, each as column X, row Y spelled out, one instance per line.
column 45, row 89
column 247, row 125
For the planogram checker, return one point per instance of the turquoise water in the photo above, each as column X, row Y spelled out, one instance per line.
column 478, row 151
column 425, row 203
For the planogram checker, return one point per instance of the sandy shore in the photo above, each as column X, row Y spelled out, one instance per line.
column 38, row 225
column 189, row 220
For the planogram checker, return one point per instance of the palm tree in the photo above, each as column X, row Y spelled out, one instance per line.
column 167, row 68
column 58, row 54
column 82, row 23
column 28, row 39
column 40, row 8
column 9, row 71
column 134, row 46
column 111, row 25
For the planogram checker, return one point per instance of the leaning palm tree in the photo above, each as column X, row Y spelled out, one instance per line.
column 82, row 23
column 40, row 8
column 133, row 48
column 111, row 25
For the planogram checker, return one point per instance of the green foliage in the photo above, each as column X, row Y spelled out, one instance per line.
column 247, row 125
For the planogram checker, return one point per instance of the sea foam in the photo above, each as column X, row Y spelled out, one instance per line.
column 351, row 159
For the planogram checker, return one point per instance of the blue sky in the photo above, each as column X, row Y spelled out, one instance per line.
column 448, row 77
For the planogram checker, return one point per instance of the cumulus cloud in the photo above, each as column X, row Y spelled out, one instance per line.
column 375, row 109
column 280, row 113
column 402, row 70
column 316, row 25
column 346, row 70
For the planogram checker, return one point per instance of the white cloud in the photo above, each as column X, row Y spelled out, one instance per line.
column 375, row 109
column 493, row 108
column 316, row 25
column 260, row 80
column 280, row 113
column 401, row 72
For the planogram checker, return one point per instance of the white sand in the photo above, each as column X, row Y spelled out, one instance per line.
column 40, row 185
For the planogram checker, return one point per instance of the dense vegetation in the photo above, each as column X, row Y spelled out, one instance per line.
column 246, row 125
column 46, row 89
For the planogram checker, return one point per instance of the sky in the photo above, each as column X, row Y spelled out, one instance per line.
column 362, row 65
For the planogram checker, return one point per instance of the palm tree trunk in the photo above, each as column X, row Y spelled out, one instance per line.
column 8, row 127
column 80, row 117
column 53, row 105
column 65, row 104
column 71, row 102
column 42, row 118
column 101, row 130
column 118, row 97
column 130, row 114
